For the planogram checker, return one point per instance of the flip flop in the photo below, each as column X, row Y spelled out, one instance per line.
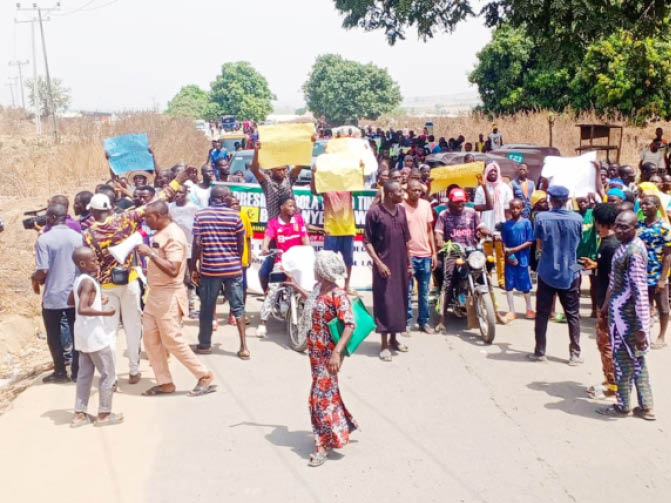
column 658, row 345
column 612, row 411
column 156, row 390
column 317, row 459
column 243, row 354
column 77, row 423
column 113, row 418
column 644, row 414
column 202, row 390
column 385, row 355
column 401, row 348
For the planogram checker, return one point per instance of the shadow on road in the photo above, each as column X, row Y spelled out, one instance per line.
column 300, row 442
column 59, row 416
column 573, row 398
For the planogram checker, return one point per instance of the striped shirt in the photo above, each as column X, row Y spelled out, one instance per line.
column 218, row 228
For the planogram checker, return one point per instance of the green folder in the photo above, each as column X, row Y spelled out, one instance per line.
column 365, row 324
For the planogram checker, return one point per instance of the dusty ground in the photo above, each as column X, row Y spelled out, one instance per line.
column 452, row 420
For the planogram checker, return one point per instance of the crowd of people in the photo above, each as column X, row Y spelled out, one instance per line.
column 193, row 242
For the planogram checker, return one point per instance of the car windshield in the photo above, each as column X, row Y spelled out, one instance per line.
column 240, row 160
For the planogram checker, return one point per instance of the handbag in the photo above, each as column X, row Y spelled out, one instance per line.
column 364, row 322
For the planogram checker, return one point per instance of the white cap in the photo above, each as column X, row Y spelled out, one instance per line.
column 99, row 202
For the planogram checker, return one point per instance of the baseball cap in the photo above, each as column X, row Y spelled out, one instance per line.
column 99, row 202
column 558, row 192
column 457, row 195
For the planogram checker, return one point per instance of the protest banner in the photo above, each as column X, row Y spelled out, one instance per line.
column 338, row 171
column 356, row 147
column 464, row 175
column 129, row 153
column 253, row 202
column 286, row 145
column 577, row 174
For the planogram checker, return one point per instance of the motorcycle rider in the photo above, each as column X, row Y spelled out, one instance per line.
column 288, row 230
column 457, row 224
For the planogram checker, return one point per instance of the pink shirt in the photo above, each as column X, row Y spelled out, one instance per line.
column 286, row 234
column 419, row 219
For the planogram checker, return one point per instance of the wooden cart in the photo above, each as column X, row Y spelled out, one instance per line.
column 591, row 132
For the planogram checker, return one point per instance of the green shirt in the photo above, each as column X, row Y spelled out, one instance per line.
column 589, row 243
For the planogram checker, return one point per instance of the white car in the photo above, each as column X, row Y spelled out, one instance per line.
column 202, row 126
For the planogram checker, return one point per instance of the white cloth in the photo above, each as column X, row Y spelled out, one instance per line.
column 496, row 140
column 92, row 333
column 125, row 299
column 197, row 195
column 656, row 158
column 183, row 216
column 577, row 174
column 490, row 218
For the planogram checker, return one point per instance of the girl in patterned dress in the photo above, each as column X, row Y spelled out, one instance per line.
column 331, row 421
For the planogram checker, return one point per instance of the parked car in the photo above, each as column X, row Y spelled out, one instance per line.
column 228, row 123
column 532, row 155
column 229, row 140
column 202, row 126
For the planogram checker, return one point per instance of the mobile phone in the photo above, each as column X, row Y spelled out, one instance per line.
column 577, row 267
column 277, row 277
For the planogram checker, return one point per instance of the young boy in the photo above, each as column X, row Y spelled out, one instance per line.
column 247, row 253
column 94, row 338
column 517, row 236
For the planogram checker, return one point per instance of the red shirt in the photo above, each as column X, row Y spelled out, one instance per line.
column 286, row 235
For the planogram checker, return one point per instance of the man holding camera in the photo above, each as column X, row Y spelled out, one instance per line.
column 55, row 270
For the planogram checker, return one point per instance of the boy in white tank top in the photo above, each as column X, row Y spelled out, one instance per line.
column 96, row 338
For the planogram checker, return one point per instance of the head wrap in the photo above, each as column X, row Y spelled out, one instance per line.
column 536, row 196
column 617, row 192
column 497, row 190
column 650, row 189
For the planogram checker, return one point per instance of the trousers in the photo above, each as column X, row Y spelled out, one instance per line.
column 570, row 301
column 422, row 273
column 125, row 299
column 627, row 376
column 103, row 361
column 605, row 349
column 52, row 323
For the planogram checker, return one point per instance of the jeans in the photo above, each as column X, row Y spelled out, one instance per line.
column 66, row 338
column 103, row 361
column 570, row 301
column 422, row 273
column 208, row 291
column 52, row 322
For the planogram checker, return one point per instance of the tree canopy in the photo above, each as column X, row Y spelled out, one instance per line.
column 341, row 90
column 241, row 91
column 191, row 101
column 60, row 93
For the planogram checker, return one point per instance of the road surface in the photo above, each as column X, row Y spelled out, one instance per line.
column 451, row 420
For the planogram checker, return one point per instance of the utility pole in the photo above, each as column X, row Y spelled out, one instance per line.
column 50, row 97
column 37, row 106
column 11, row 90
column 19, row 64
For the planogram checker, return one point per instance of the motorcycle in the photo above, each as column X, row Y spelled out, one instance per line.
column 471, row 287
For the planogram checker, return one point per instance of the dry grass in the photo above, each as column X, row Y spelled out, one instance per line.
column 34, row 168
column 529, row 128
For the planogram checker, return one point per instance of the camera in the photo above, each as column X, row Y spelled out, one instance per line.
column 35, row 219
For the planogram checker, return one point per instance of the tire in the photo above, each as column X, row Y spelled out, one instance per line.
column 486, row 317
column 296, row 342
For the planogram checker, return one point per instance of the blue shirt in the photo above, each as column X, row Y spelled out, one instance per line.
column 215, row 155
column 218, row 228
column 53, row 253
column 514, row 233
column 560, row 232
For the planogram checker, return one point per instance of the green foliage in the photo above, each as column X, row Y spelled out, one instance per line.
column 345, row 91
column 191, row 101
column 301, row 111
column 241, row 91
column 60, row 93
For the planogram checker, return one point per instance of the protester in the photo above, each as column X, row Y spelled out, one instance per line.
column 604, row 219
column 517, row 236
column 246, row 258
column 656, row 235
column 523, row 188
column 332, row 423
column 74, row 224
column 55, row 270
column 495, row 138
column 589, row 242
column 183, row 211
column 199, row 193
column 289, row 230
column 628, row 321
column 95, row 338
column 557, row 237
column 80, row 207
column 653, row 154
column 218, row 245
column 386, row 236
column 422, row 249
column 218, row 152
column 167, row 303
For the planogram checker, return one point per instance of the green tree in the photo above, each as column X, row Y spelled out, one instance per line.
column 342, row 90
column 60, row 93
column 191, row 101
column 241, row 91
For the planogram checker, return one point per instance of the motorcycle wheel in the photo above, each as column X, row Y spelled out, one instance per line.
column 296, row 342
column 486, row 317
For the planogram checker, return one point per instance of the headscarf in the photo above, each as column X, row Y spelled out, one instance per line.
column 536, row 196
column 496, row 188
column 650, row 189
column 617, row 193
column 329, row 266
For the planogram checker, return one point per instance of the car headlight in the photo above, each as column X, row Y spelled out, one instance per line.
column 476, row 260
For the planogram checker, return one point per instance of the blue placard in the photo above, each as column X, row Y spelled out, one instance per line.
column 129, row 153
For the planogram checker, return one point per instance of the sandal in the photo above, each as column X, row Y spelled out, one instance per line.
column 243, row 354
column 113, row 418
column 401, row 348
column 646, row 414
column 202, row 389
column 385, row 355
column 612, row 411
column 317, row 459
column 658, row 345
column 76, row 423
column 156, row 390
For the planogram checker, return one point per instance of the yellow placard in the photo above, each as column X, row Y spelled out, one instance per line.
column 286, row 145
column 357, row 147
column 340, row 171
column 464, row 175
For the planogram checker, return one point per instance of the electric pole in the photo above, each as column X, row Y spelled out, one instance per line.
column 37, row 111
column 19, row 64
column 11, row 90
column 40, row 19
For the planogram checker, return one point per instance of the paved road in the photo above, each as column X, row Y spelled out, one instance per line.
column 452, row 420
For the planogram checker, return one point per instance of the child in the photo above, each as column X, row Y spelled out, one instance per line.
column 94, row 338
column 517, row 236
column 247, row 253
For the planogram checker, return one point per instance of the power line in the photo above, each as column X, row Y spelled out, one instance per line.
column 78, row 9
column 101, row 6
